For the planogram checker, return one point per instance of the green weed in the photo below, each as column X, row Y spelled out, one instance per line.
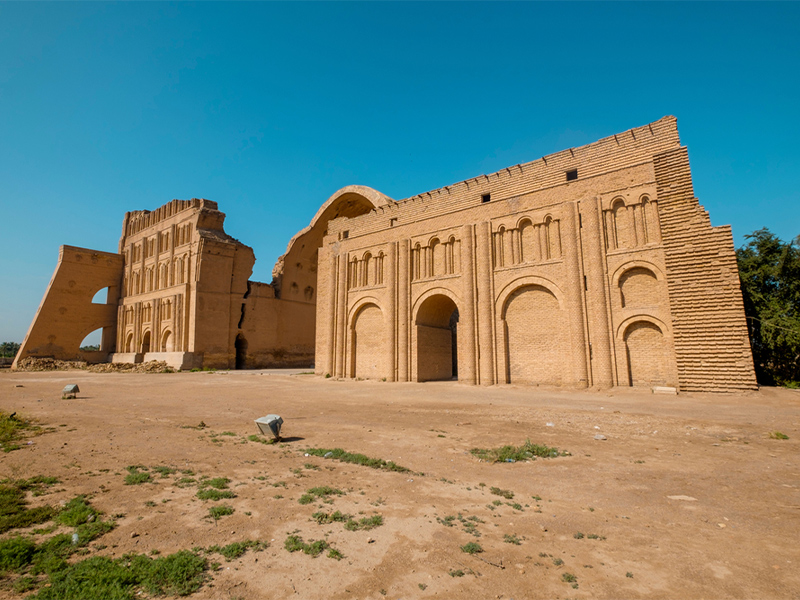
column 14, row 511
column 319, row 492
column 237, row 549
column 261, row 440
column 137, row 475
column 294, row 543
column 323, row 518
column 471, row 548
column 527, row 451
column 504, row 493
column 164, row 471
column 213, row 494
column 13, row 428
column 77, row 512
column 221, row 510
column 357, row 459
column 512, row 539
column 777, row 435
column 364, row 524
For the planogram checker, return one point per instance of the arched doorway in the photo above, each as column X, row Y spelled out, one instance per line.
column 146, row 342
column 437, row 339
column 241, row 351
column 648, row 358
column 129, row 343
column 166, row 341
column 536, row 340
column 368, row 343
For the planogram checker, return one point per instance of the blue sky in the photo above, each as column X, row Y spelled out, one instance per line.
column 269, row 108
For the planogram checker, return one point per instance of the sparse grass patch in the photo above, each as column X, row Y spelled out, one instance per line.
column 237, row 549
column 77, row 512
column 512, row 539
column 508, row 494
column 364, row 524
column 163, row 471
column 294, row 543
column 594, row 536
column 220, row 483
column 471, row 548
column 558, row 562
column 629, row 574
column 568, row 578
column 335, row 554
column 528, row 451
column 14, row 511
column 357, row 459
column 137, row 475
column 261, row 440
column 15, row 554
column 456, row 573
column 777, row 435
column 578, row 535
column 212, row 494
column 337, row 517
column 13, row 428
column 221, row 510
column 319, row 492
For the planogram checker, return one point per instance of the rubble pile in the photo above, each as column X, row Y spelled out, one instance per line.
column 49, row 364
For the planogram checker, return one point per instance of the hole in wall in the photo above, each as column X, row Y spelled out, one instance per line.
column 101, row 297
column 92, row 341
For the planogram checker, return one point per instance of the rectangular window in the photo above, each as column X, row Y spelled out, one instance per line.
column 572, row 175
column 486, row 197
column 345, row 234
column 392, row 221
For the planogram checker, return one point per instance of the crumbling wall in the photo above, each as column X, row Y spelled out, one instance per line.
column 67, row 315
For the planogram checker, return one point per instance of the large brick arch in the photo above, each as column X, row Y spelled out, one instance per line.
column 367, row 341
column 536, row 329
column 433, row 342
column 645, row 352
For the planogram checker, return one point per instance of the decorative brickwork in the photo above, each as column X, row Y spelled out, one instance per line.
column 594, row 266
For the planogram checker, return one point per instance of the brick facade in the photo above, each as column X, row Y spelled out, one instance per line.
column 595, row 266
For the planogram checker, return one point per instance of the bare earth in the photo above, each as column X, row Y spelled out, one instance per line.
column 688, row 495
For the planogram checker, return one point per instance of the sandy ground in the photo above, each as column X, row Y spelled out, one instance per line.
column 688, row 495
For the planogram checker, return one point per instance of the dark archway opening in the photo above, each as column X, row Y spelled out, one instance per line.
column 241, row 351
column 437, row 339
column 454, row 342
column 146, row 343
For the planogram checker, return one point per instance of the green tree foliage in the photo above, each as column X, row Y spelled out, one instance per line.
column 769, row 269
column 9, row 349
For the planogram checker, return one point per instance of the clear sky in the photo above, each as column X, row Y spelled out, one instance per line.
column 269, row 108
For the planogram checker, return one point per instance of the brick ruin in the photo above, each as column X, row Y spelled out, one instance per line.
column 591, row 267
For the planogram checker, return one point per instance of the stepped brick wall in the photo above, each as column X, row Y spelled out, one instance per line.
column 712, row 348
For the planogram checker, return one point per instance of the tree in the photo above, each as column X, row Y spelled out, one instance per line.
column 769, row 270
column 9, row 349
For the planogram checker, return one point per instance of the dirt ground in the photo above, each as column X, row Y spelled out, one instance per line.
column 688, row 497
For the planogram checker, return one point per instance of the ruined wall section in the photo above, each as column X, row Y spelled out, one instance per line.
column 183, row 286
column 67, row 315
column 711, row 341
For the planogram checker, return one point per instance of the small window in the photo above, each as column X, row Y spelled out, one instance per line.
column 392, row 221
column 486, row 197
column 345, row 234
column 572, row 175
